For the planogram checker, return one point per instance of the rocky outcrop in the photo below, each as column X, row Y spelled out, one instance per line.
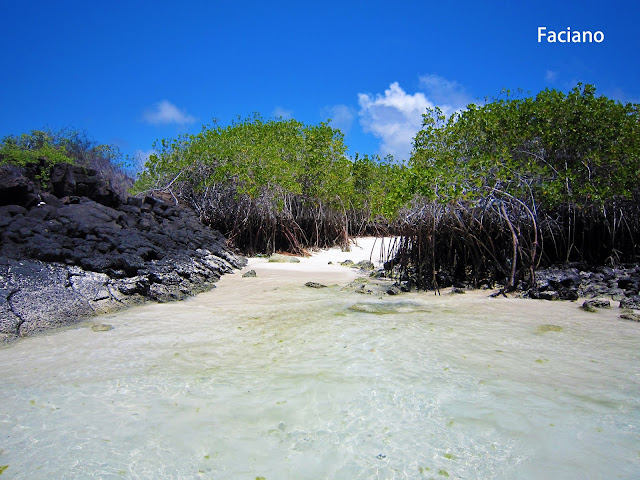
column 571, row 282
column 73, row 249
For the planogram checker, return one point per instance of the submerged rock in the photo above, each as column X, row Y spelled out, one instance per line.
column 373, row 286
column 631, row 316
column 379, row 273
column 549, row 328
column 101, row 327
column 279, row 258
column 314, row 285
column 593, row 305
column 393, row 290
column 250, row 273
column 386, row 308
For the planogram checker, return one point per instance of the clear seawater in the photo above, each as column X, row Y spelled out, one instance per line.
column 267, row 378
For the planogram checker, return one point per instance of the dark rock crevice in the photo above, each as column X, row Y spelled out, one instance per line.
column 13, row 311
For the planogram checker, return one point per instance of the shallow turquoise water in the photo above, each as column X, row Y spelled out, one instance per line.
column 265, row 377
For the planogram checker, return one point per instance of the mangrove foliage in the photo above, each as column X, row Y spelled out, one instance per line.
column 489, row 194
column 40, row 150
column 518, row 182
column 273, row 185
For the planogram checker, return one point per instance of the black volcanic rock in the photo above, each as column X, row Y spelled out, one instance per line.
column 77, row 249
column 570, row 283
column 15, row 187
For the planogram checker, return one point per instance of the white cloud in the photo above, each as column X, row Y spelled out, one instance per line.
column 449, row 95
column 282, row 112
column 550, row 76
column 394, row 117
column 341, row 117
column 165, row 112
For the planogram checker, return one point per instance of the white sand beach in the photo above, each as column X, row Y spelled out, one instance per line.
column 322, row 266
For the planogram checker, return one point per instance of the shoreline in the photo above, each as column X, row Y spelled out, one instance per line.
column 323, row 268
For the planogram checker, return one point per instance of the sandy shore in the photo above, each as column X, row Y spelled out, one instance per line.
column 324, row 265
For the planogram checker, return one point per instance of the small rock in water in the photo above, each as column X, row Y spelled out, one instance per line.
column 631, row 316
column 380, row 273
column 314, row 285
column 592, row 305
column 373, row 286
column 250, row 273
column 279, row 258
column 549, row 295
column 101, row 327
column 457, row 290
column 365, row 265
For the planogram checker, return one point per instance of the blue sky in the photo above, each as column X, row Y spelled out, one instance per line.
column 133, row 72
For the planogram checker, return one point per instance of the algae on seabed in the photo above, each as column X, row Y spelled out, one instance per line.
column 549, row 328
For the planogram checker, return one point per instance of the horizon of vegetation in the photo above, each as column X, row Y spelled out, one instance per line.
column 489, row 194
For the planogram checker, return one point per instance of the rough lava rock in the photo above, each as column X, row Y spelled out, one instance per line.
column 76, row 249
column 631, row 302
column 572, row 282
